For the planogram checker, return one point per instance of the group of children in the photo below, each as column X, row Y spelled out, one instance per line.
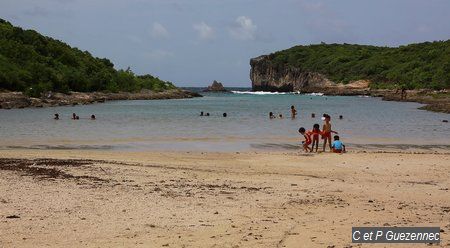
column 312, row 137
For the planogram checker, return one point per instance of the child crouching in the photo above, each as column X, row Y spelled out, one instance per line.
column 338, row 146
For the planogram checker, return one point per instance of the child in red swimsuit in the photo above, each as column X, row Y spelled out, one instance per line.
column 326, row 132
column 307, row 141
column 315, row 136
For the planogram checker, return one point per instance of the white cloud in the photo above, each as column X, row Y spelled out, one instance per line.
column 159, row 31
column 205, row 32
column 243, row 29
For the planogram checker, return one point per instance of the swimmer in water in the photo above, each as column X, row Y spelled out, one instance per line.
column 271, row 116
column 56, row 117
column 293, row 112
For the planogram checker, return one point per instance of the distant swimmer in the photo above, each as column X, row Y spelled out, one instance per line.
column 280, row 116
column 313, row 115
column 207, row 114
column 293, row 112
column 56, row 117
column 341, row 117
column 74, row 116
column 92, row 117
column 201, row 113
column 77, row 117
column 271, row 116
column 224, row 115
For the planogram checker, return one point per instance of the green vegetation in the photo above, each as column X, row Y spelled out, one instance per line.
column 33, row 63
column 423, row 65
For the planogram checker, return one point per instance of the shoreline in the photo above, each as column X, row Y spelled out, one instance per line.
column 435, row 101
column 204, row 199
column 352, row 148
column 11, row 100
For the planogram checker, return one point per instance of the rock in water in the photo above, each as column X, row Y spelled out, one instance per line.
column 216, row 87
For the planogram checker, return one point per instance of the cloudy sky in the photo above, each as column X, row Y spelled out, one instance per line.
column 193, row 42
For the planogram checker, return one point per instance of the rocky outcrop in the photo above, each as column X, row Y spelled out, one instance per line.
column 215, row 87
column 10, row 100
column 267, row 76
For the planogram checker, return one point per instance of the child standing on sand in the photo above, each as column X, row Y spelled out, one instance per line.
column 307, row 141
column 315, row 136
column 326, row 132
column 338, row 146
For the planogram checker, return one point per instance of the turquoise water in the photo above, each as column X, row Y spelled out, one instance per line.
column 176, row 124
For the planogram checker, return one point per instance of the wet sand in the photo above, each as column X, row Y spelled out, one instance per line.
column 87, row 198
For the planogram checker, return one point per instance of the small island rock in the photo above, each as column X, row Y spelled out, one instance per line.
column 216, row 87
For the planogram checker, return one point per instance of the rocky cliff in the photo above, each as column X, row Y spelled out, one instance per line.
column 9, row 100
column 215, row 87
column 268, row 76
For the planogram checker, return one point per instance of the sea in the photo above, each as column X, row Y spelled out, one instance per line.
column 176, row 125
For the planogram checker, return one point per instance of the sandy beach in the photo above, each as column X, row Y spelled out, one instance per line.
column 76, row 198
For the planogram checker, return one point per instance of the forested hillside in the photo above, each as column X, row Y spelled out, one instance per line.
column 33, row 63
column 422, row 65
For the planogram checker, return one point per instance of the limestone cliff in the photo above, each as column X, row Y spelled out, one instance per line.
column 268, row 76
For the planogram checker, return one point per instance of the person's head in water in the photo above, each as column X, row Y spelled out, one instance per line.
column 313, row 115
column 56, row 117
column 92, row 117
column 77, row 117
column 201, row 113
column 74, row 116
column 224, row 114
column 207, row 114
column 316, row 127
column 302, row 130
column 341, row 117
column 280, row 116
column 271, row 116
column 336, row 137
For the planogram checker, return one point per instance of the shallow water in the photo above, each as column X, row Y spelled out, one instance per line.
column 176, row 124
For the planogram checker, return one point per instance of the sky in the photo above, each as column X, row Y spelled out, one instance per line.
column 193, row 42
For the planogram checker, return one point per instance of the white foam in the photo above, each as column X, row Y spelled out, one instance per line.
column 260, row 92
column 315, row 94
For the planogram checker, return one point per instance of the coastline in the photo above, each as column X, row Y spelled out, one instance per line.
column 9, row 100
column 205, row 199
column 435, row 101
